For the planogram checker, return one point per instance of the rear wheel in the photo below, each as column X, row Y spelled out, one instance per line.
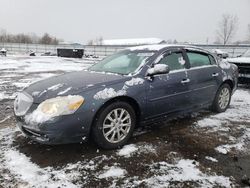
column 114, row 125
column 222, row 98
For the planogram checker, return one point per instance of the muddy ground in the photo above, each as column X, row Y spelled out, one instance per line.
column 192, row 138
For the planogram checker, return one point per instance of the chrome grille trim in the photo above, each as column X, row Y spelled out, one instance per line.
column 22, row 103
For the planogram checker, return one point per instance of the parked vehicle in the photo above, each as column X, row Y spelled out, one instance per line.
column 221, row 54
column 130, row 88
column 70, row 52
column 243, row 64
column 3, row 52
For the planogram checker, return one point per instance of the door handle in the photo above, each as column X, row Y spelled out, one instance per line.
column 185, row 81
column 215, row 74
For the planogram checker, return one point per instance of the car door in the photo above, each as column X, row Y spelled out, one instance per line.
column 204, row 76
column 166, row 93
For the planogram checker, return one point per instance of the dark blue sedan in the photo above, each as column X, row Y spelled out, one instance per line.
column 135, row 86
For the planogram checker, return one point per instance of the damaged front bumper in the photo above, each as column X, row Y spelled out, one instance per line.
column 62, row 131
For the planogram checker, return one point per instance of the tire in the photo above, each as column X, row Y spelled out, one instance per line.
column 222, row 98
column 117, row 119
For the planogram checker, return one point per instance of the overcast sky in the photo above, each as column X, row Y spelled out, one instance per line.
column 82, row 20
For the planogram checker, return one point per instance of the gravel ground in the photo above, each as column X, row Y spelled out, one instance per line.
column 200, row 150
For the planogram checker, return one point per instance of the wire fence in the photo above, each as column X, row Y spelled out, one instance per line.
column 104, row 50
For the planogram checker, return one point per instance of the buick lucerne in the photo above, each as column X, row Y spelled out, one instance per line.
column 130, row 88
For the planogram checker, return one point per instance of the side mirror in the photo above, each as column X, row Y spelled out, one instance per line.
column 158, row 69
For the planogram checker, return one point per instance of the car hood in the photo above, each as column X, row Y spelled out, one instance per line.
column 69, row 84
column 239, row 60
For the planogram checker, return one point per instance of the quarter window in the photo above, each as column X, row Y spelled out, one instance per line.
column 174, row 61
column 198, row 59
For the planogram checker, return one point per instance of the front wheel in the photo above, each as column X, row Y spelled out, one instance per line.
column 222, row 98
column 114, row 125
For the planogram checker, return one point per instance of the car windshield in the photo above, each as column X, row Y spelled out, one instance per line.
column 246, row 54
column 124, row 62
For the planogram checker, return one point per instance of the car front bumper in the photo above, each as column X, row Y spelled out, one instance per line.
column 63, row 130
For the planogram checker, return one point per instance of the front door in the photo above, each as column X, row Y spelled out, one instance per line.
column 166, row 93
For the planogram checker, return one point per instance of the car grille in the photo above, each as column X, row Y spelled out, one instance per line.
column 22, row 103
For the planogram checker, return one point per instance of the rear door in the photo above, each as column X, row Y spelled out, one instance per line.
column 205, row 77
column 166, row 93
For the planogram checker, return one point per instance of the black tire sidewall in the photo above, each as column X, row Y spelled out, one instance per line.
column 97, row 129
column 216, row 106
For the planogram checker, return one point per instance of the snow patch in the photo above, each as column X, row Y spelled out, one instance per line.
column 109, row 93
column 184, row 170
column 113, row 172
column 134, row 81
column 211, row 159
column 3, row 96
column 37, row 117
column 127, row 150
column 239, row 145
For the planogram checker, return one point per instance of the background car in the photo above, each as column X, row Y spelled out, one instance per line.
column 136, row 86
column 220, row 53
column 243, row 64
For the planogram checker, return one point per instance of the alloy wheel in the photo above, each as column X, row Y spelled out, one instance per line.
column 224, row 98
column 116, row 125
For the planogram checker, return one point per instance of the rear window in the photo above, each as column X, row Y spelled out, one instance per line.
column 198, row 59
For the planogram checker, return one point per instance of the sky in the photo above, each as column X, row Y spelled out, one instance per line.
column 82, row 20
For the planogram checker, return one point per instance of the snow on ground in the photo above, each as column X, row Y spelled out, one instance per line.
column 211, row 159
column 28, row 173
column 20, row 72
column 113, row 172
column 183, row 171
column 127, row 150
column 222, row 123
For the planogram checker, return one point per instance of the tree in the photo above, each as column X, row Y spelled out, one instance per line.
column 3, row 34
column 46, row 39
column 228, row 26
column 249, row 32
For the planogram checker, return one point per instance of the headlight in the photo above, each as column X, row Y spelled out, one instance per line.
column 61, row 105
column 54, row 107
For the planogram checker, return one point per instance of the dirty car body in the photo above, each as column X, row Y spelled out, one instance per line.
column 153, row 96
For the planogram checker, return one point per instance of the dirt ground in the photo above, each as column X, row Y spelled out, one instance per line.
column 199, row 150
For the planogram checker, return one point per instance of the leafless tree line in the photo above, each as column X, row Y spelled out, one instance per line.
column 227, row 29
column 29, row 38
column 96, row 41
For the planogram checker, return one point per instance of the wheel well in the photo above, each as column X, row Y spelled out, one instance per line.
column 230, row 83
column 129, row 100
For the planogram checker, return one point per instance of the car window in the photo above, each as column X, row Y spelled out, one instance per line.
column 212, row 60
column 198, row 59
column 124, row 62
column 174, row 61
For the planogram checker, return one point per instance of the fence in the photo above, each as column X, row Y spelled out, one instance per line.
column 105, row 50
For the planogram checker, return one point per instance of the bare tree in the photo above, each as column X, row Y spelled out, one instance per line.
column 90, row 42
column 227, row 28
column 249, row 32
column 46, row 39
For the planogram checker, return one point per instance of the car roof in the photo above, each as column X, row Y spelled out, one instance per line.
column 158, row 47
